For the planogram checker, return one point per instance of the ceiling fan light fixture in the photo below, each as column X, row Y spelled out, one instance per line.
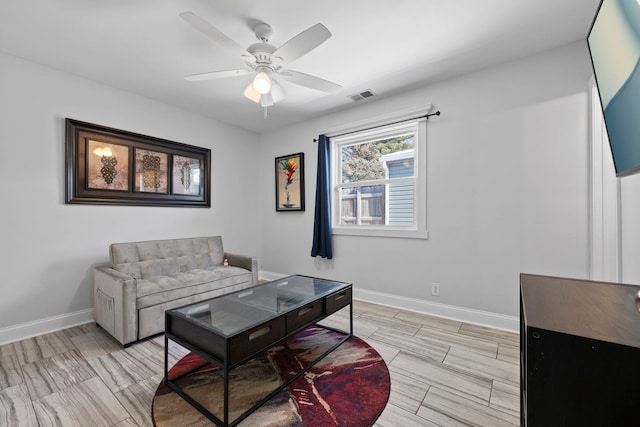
column 262, row 83
column 277, row 92
column 266, row 100
column 251, row 93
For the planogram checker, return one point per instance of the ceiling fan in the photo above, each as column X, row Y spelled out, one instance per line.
column 265, row 60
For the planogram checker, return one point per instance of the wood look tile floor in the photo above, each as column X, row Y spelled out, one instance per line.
column 443, row 373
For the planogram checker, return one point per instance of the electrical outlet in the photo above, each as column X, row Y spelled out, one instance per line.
column 435, row 289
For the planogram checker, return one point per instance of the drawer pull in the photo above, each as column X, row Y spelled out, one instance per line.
column 340, row 296
column 305, row 311
column 259, row 333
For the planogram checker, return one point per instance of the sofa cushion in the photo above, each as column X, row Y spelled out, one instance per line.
column 130, row 268
column 186, row 263
column 161, row 288
column 166, row 257
column 207, row 250
column 150, row 268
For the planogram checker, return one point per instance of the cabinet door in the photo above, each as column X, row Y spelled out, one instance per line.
column 576, row 381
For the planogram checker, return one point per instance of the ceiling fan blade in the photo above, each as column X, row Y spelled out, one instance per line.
column 310, row 81
column 216, row 35
column 303, row 43
column 217, row 75
column 251, row 93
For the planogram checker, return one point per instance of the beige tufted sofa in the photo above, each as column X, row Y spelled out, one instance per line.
column 147, row 278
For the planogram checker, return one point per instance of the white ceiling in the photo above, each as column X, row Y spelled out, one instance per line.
column 388, row 46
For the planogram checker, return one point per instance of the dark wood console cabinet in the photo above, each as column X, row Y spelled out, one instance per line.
column 579, row 352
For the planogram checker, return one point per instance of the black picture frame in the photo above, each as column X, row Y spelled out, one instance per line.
column 289, row 172
column 106, row 166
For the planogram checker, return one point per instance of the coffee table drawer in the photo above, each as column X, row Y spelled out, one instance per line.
column 304, row 315
column 257, row 338
column 336, row 301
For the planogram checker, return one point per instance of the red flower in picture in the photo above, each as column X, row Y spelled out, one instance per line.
column 289, row 167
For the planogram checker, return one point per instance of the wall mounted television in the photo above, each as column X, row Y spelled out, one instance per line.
column 614, row 45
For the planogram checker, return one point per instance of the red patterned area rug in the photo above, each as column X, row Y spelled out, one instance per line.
column 349, row 387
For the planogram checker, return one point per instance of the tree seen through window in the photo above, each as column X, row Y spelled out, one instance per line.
column 361, row 162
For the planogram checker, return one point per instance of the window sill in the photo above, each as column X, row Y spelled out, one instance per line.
column 375, row 232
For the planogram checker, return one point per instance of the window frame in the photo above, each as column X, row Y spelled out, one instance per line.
column 419, row 228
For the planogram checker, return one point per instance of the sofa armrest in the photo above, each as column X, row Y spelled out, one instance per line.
column 244, row 261
column 114, row 303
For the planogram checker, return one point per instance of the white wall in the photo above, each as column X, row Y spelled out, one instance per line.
column 48, row 248
column 630, row 228
column 507, row 189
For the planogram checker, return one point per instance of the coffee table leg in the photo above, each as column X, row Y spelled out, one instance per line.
column 166, row 357
column 351, row 318
column 226, row 391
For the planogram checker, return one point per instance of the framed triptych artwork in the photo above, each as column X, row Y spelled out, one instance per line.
column 108, row 166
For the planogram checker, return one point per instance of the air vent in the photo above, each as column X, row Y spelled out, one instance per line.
column 362, row 95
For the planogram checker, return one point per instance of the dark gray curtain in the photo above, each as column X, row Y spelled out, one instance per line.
column 322, row 223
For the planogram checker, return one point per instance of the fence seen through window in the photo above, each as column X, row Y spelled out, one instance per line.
column 377, row 182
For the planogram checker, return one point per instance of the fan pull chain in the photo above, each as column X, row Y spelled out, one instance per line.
column 265, row 113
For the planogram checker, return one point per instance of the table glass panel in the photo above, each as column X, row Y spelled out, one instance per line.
column 242, row 310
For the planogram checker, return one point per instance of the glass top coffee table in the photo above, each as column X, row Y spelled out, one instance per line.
column 230, row 330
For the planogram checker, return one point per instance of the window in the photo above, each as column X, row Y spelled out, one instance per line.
column 378, row 179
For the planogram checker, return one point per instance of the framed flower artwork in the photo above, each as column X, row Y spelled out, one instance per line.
column 290, row 182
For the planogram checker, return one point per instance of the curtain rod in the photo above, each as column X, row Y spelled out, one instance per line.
column 426, row 116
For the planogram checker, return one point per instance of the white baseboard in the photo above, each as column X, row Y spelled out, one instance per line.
column 44, row 326
column 462, row 314
column 484, row 318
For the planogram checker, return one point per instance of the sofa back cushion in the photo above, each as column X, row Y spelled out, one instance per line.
column 166, row 257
